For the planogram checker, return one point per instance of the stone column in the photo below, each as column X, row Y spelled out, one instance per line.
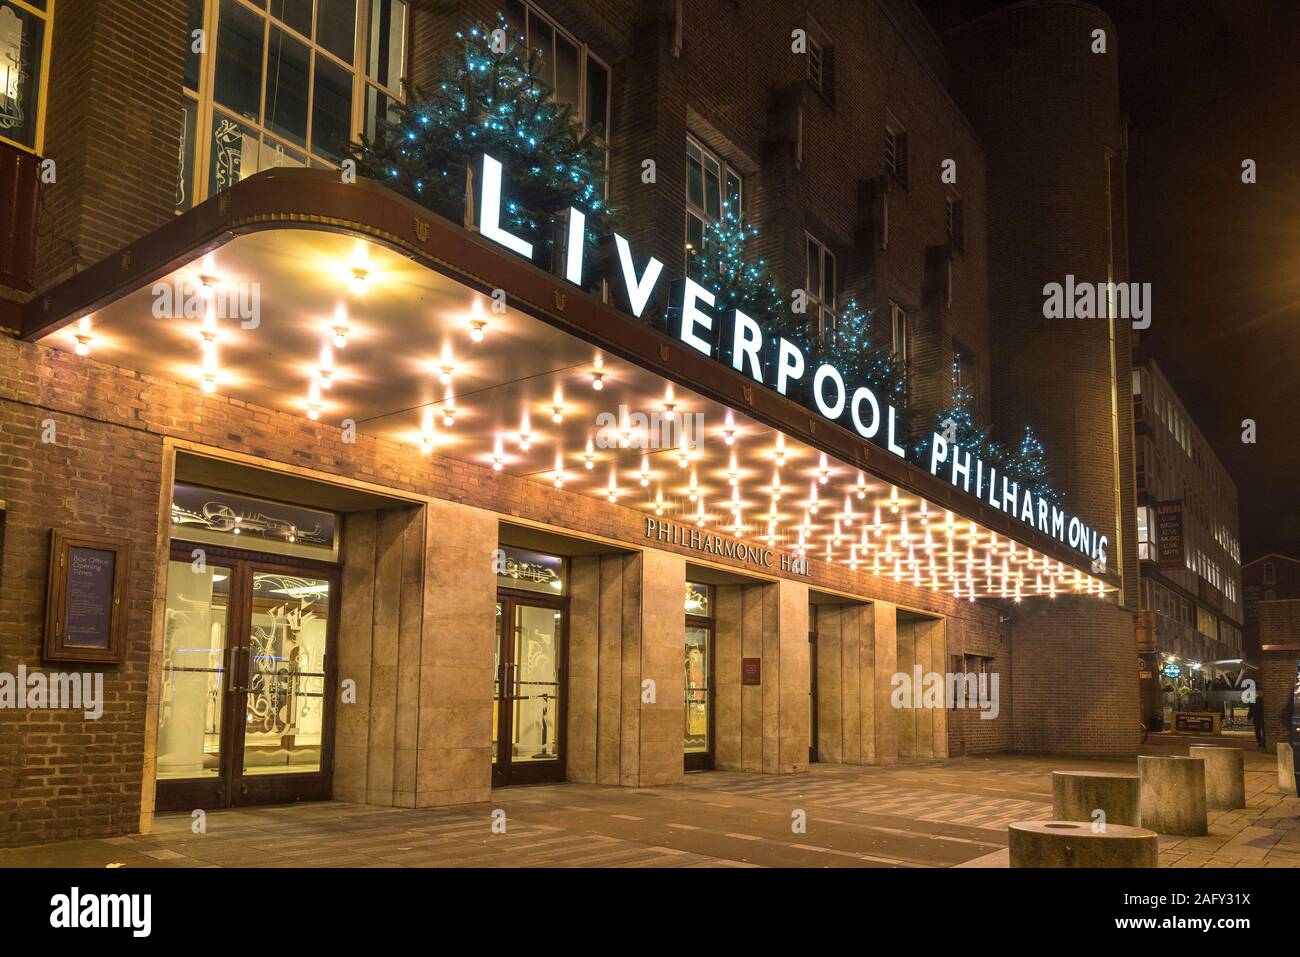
column 787, row 689
column 761, row 728
column 923, row 730
column 457, row 648
column 583, row 667
column 728, row 731
column 380, row 622
column 880, row 729
column 653, row 732
column 604, row 621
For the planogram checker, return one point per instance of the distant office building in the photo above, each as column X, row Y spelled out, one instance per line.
column 1190, row 558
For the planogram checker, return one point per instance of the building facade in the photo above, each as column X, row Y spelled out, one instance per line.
column 340, row 498
column 1190, row 554
column 1271, row 586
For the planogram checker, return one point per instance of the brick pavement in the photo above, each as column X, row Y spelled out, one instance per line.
column 914, row 814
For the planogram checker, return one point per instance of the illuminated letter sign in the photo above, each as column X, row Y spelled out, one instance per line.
column 693, row 321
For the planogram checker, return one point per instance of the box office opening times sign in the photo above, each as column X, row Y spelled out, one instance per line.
column 743, row 343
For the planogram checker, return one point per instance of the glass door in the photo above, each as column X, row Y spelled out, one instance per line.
column 528, row 690
column 246, row 711
column 194, row 720
column 698, row 744
column 812, row 688
column 282, row 687
column 698, row 677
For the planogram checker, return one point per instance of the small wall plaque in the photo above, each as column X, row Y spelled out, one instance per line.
column 85, row 610
column 751, row 671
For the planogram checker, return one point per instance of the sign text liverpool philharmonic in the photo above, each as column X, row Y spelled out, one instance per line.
column 740, row 341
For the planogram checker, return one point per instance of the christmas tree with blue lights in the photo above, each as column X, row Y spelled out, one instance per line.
column 489, row 98
column 852, row 349
column 1029, row 468
column 957, row 424
column 721, row 268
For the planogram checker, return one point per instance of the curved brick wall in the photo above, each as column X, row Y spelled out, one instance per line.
column 1047, row 111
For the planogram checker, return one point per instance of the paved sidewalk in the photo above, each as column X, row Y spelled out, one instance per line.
column 914, row 814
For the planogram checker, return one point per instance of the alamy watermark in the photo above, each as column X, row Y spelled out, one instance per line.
column 649, row 430
column 57, row 691
column 1098, row 300
column 199, row 298
column 959, row 689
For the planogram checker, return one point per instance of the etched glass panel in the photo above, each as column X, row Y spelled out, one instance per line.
column 193, row 671
column 284, row 700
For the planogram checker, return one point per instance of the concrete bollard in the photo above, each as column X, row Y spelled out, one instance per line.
column 1225, row 775
column 1286, row 767
column 1078, row 795
column 1173, row 795
column 1075, row 844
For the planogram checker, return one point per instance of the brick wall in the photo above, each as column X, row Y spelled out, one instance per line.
column 1279, row 625
column 1047, row 111
column 1075, row 661
column 113, row 127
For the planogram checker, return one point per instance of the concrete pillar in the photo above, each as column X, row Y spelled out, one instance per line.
column 923, row 730
column 763, row 728
column 786, row 690
column 456, row 653
column 653, row 733
column 880, row 731
column 604, row 620
column 1075, row 844
column 845, row 697
column 583, row 667
column 1286, row 779
column 1225, row 775
column 380, row 622
column 1173, row 794
column 728, row 649
column 1078, row 795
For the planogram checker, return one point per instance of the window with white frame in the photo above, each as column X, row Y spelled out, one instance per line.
column 901, row 337
column 1146, row 533
column 711, row 187
column 1270, row 573
column 820, row 286
column 578, row 77
column 821, row 60
column 283, row 83
column 26, row 27
column 896, row 148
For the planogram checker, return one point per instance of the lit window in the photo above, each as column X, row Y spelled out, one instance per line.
column 25, row 30
column 820, row 286
column 1146, row 534
column 710, row 184
column 278, row 87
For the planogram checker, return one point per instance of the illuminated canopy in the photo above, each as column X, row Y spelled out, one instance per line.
column 355, row 307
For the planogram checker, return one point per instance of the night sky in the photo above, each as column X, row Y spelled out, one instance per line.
column 1206, row 84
